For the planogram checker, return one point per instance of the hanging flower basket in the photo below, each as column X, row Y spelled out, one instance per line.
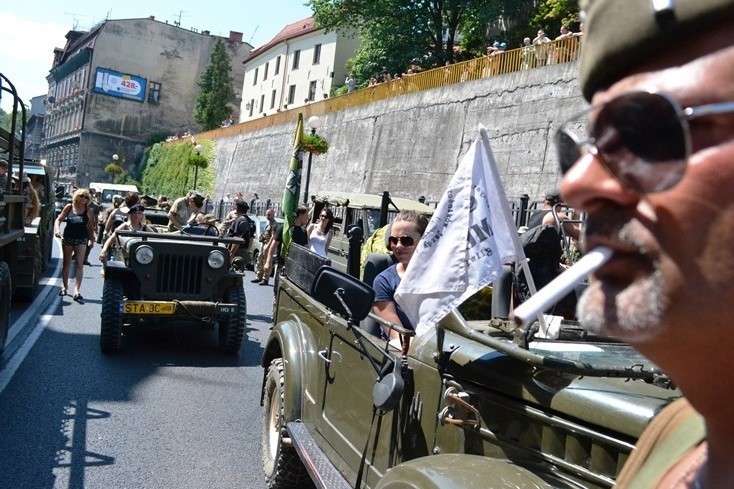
column 313, row 143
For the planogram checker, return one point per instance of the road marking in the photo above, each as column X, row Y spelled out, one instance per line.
column 12, row 366
column 21, row 324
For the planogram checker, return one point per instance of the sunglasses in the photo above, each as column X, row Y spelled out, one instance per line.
column 323, row 216
column 642, row 138
column 403, row 240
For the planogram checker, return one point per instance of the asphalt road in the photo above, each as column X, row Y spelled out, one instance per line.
column 169, row 411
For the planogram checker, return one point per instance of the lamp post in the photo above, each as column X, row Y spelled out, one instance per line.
column 197, row 150
column 313, row 122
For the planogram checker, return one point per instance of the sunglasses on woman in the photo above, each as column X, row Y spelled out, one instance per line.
column 403, row 240
column 642, row 138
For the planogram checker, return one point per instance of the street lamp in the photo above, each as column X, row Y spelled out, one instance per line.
column 197, row 150
column 313, row 122
column 115, row 157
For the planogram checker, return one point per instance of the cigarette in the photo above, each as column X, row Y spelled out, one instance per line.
column 561, row 285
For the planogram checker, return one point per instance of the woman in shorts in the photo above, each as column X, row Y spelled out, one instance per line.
column 78, row 233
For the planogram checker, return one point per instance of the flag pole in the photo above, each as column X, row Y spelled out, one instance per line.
column 519, row 251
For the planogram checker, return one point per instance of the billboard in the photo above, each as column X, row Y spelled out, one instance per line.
column 116, row 84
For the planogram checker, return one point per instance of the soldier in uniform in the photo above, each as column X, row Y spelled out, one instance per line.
column 655, row 175
column 265, row 240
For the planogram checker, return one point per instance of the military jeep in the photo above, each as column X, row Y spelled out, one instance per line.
column 478, row 403
column 161, row 277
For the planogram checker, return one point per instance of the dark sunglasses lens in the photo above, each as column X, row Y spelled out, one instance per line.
column 642, row 140
column 568, row 150
column 403, row 240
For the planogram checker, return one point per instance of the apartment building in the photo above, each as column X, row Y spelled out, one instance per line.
column 113, row 87
column 298, row 66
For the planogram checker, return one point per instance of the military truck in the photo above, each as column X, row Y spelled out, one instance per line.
column 162, row 277
column 368, row 212
column 15, row 256
column 478, row 403
column 37, row 242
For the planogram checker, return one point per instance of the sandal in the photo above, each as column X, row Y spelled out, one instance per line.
column 62, row 292
column 78, row 298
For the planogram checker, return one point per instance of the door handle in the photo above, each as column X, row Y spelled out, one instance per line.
column 322, row 355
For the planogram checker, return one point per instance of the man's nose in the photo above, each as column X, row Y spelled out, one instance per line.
column 588, row 184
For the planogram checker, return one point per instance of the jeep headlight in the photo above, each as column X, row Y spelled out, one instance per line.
column 216, row 259
column 144, row 254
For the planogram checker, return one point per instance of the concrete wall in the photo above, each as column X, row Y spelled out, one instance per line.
column 411, row 145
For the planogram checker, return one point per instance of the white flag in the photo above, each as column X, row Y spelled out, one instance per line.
column 463, row 249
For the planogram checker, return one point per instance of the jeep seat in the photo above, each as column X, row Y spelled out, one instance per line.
column 375, row 264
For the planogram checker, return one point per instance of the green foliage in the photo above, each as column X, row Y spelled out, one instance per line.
column 169, row 168
column 114, row 170
column 156, row 137
column 313, row 143
column 212, row 104
column 6, row 120
column 398, row 33
column 552, row 14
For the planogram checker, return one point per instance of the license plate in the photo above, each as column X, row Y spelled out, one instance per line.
column 140, row 307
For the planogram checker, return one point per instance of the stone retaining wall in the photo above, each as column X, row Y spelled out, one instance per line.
column 411, row 145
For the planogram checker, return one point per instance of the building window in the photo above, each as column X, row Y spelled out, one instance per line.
column 277, row 65
column 272, row 100
column 317, row 54
column 251, row 106
column 291, row 94
column 312, row 91
column 254, row 81
column 296, row 59
column 262, row 103
column 154, row 93
column 265, row 72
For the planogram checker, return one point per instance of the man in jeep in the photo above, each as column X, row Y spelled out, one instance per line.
column 655, row 175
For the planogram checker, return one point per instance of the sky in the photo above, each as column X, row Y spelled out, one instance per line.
column 31, row 29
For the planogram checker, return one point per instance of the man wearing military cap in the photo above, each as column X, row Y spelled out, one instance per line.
column 655, row 176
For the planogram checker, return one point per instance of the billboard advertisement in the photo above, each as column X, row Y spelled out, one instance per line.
column 116, row 84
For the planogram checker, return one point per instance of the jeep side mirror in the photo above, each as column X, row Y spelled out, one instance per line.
column 355, row 293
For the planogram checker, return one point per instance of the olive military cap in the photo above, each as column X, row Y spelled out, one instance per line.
column 621, row 34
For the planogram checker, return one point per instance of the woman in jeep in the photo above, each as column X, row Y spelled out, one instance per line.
column 135, row 222
column 406, row 231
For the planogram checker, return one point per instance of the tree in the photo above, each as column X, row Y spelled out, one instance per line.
column 398, row 33
column 212, row 104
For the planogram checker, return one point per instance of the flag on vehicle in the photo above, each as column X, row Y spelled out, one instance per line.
column 292, row 187
column 470, row 236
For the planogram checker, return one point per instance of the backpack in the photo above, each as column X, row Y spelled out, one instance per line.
column 242, row 227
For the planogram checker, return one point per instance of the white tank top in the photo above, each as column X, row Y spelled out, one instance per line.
column 317, row 242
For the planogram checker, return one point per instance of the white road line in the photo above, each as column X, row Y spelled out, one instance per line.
column 11, row 367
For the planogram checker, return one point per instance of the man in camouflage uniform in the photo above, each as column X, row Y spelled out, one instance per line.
column 264, row 239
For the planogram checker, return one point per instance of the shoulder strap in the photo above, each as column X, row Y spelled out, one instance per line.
column 677, row 429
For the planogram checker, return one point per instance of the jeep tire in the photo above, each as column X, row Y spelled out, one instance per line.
column 110, row 335
column 5, row 290
column 281, row 464
column 232, row 329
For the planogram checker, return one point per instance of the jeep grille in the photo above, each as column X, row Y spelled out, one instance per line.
column 180, row 274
